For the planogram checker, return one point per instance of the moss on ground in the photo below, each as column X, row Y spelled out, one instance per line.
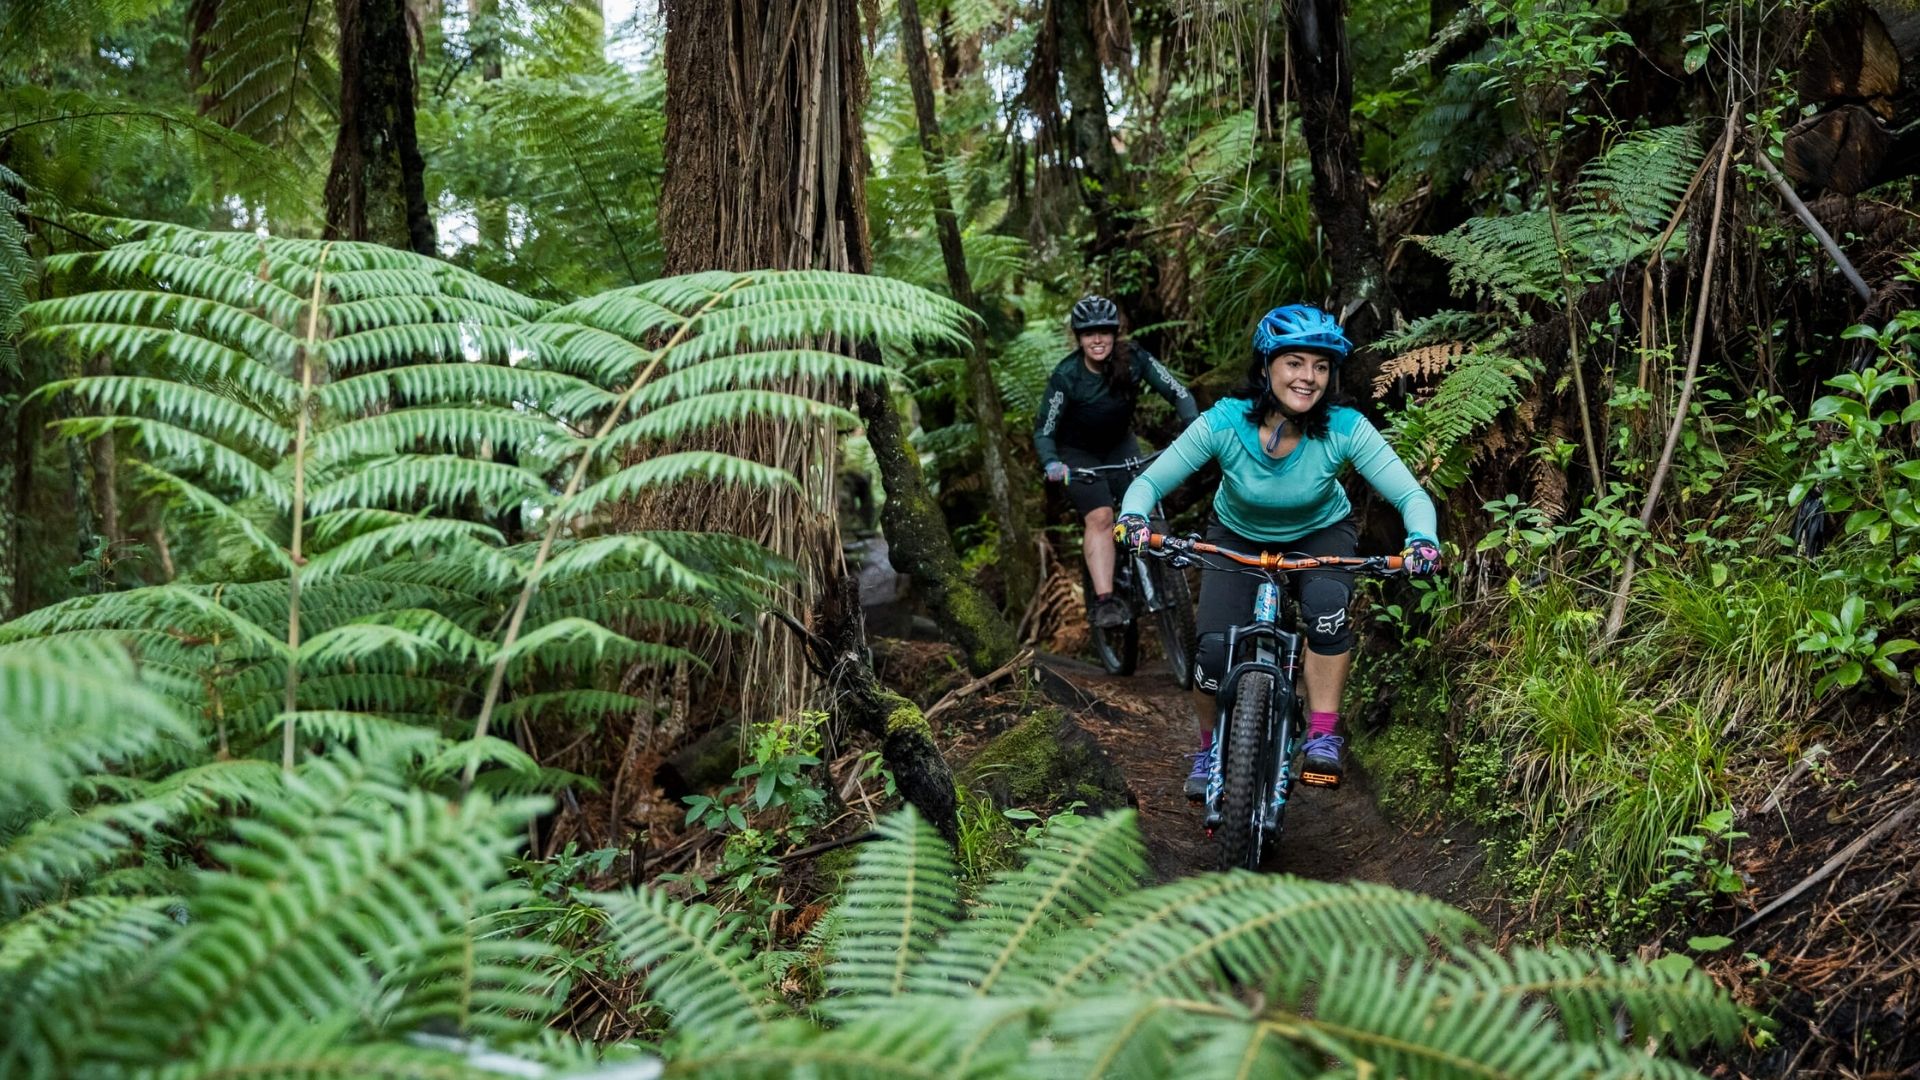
column 1046, row 761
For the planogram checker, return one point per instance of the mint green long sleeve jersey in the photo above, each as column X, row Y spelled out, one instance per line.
column 1278, row 500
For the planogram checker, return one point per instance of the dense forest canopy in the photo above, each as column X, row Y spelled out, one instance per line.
column 523, row 553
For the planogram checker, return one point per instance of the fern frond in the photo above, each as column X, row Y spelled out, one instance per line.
column 1068, row 876
column 1591, row 992
column 1188, row 937
column 714, row 410
column 68, row 709
column 668, row 470
column 905, row 897
column 343, row 878
column 439, row 480
column 699, row 966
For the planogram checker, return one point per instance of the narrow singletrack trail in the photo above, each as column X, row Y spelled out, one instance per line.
column 1146, row 725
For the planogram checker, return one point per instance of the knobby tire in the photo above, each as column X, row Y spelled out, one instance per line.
column 1241, row 774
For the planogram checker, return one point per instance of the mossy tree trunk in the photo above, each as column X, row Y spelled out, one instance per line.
column 838, row 645
column 1008, row 495
column 920, row 546
column 376, row 189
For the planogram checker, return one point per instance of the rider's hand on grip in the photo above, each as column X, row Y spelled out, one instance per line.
column 1133, row 531
column 1422, row 558
column 1056, row 472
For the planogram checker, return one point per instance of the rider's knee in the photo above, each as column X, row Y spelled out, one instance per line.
column 1101, row 518
column 1210, row 662
column 1323, row 603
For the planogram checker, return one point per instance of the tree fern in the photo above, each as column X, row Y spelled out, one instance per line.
column 1619, row 205
column 1437, row 435
column 441, row 407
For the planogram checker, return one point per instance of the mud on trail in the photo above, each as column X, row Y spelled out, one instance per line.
column 1145, row 724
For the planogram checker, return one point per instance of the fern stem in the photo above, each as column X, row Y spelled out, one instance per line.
column 1575, row 356
column 1617, row 615
column 299, row 510
column 498, row 677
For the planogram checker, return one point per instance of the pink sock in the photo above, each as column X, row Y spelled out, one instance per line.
column 1206, row 740
column 1321, row 723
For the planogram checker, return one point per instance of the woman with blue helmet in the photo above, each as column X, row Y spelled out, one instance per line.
column 1282, row 443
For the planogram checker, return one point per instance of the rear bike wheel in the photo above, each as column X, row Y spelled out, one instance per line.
column 1175, row 617
column 1116, row 647
column 1241, row 774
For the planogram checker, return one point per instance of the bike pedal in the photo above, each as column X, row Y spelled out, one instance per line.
column 1320, row 779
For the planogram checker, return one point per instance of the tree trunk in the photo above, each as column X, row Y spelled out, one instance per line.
column 1105, row 188
column 1009, row 497
column 769, row 170
column 960, row 57
column 376, row 190
column 1322, row 74
column 13, row 463
column 920, row 547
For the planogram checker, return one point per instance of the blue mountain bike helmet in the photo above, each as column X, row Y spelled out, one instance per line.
column 1299, row 326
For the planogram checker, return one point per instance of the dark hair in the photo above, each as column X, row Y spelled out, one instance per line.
column 1257, row 389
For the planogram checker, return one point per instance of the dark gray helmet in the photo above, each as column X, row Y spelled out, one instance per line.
column 1094, row 313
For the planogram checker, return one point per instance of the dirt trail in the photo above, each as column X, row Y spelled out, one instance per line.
column 1146, row 725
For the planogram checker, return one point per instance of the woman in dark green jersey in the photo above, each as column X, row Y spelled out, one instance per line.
column 1086, row 419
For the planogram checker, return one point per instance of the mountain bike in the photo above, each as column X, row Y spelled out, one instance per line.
column 1151, row 587
column 1259, row 723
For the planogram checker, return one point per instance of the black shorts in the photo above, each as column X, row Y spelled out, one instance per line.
column 1090, row 497
column 1227, row 599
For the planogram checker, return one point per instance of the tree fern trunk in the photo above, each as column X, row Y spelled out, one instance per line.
column 376, row 190
column 1322, row 75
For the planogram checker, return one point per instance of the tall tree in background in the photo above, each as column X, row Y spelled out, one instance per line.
column 1010, row 503
column 766, row 167
column 1321, row 70
column 376, row 189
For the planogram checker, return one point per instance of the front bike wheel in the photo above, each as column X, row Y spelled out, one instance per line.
column 1177, row 637
column 1242, row 779
column 1117, row 647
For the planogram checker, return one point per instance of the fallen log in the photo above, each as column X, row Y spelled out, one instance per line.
column 837, row 651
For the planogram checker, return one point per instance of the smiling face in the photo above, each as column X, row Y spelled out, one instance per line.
column 1097, row 345
column 1299, row 379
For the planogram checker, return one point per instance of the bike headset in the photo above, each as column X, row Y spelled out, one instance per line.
column 1293, row 326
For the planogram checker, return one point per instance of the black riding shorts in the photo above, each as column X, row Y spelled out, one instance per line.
column 1090, row 497
column 1227, row 599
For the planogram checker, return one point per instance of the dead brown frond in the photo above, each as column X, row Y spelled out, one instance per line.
column 1419, row 365
column 1547, row 480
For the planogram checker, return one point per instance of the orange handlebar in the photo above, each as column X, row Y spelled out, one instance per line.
column 1269, row 561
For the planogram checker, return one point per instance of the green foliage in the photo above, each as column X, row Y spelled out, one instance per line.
column 1067, row 965
column 1438, row 436
column 400, row 424
column 1614, row 214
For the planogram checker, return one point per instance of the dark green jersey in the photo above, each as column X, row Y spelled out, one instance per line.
column 1081, row 410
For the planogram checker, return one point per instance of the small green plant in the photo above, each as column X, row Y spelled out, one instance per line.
column 1848, row 644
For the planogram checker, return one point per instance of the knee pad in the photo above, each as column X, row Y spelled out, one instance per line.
column 1323, row 606
column 1210, row 662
